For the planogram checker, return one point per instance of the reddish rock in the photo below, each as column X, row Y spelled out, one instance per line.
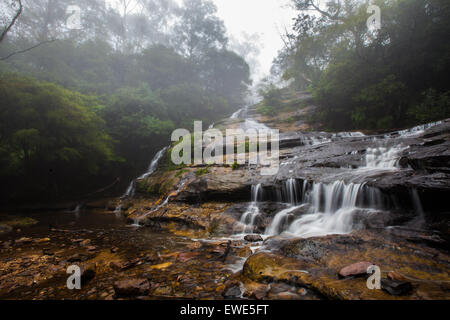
column 356, row 269
column 186, row 256
column 132, row 288
column 396, row 276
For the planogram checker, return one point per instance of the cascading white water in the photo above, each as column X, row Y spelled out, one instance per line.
column 418, row 129
column 136, row 221
column 236, row 114
column 154, row 164
column 151, row 169
column 383, row 158
column 248, row 218
column 166, row 201
column 332, row 210
column 333, row 206
column 348, row 135
column 76, row 210
column 417, row 204
column 129, row 193
column 276, row 227
column 291, row 191
column 315, row 141
column 118, row 210
column 252, row 124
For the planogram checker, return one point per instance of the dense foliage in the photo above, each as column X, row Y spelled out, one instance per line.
column 371, row 79
column 88, row 108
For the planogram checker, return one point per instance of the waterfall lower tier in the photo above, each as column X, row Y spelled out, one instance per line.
column 248, row 218
column 331, row 208
column 280, row 221
column 164, row 203
column 154, row 164
column 291, row 192
column 131, row 190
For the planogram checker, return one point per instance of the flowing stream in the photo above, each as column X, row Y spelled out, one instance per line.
column 324, row 208
column 129, row 193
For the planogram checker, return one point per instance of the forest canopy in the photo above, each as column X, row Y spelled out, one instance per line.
column 371, row 79
column 82, row 108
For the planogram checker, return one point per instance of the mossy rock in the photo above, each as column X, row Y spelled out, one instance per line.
column 19, row 222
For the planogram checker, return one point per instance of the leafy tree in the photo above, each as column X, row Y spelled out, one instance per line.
column 90, row 105
column 49, row 136
column 364, row 79
column 226, row 73
column 199, row 30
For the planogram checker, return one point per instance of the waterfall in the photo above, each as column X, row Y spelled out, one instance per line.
column 163, row 204
column 257, row 193
column 131, row 190
column 279, row 221
column 315, row 141
column 154, row 164
column 417, row 203
column 332, row 208
column 248, row 218
column 236, row 114
column 118, row 210
column 418, row 130
column 76, row 211
column 383, row 158
column 129, row 193
column 291, row 192
column 348, row 135
column 252, row 124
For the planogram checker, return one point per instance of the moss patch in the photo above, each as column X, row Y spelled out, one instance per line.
column 18, row 222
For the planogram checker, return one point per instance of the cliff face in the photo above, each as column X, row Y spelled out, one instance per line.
column 382, row 198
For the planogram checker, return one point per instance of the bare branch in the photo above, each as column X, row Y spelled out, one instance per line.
column 26, row 50
column 13, row 21
column 324, row 13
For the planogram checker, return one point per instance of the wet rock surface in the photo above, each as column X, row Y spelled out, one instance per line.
column 334, row 267
column 201, row 232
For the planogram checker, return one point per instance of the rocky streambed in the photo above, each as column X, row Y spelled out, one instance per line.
column 339, row 204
